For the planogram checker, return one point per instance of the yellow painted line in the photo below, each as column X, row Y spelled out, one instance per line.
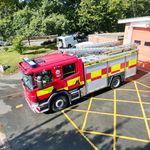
column 127, row 101
column 143, row 111
column 147, row 103
column 118, row 136
column 132, row 139
column 132, row 90
column 128, row 116
column 122, row 101
column 134, row 102
column 98, row 133
column 19, row 106
column 85, row 119
column 115, row 111
column 143, row 84
column 108, row 114
column 92, row 112
column 103, row 99
column 70, row 120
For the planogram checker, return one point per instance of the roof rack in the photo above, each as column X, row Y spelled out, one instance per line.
column 80, row 52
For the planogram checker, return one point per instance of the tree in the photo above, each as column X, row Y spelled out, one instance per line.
column 6, row 28
column 21, row 23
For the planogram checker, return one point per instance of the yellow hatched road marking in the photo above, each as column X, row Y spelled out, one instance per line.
column 143, row 84
column 108, row 99
column 108, row 114
column 122, row 101
column 98, row 133
column 85, row 119
column 114, row 137
column 70, row 120
column 118, row 136
column 143, row 111
column 132, row 90
column 132, row 138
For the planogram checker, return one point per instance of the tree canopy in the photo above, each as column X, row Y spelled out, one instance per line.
column 43, row 17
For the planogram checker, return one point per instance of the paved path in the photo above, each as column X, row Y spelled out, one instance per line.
column 109, row 119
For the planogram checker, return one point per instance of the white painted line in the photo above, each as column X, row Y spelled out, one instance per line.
column 19, row 106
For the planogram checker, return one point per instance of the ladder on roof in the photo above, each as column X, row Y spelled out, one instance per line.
column 98, row 44
column 99, row 51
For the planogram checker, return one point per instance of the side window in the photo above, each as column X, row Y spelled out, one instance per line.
column 137, row 42
column 69, row 70
column 147, row 44
column 46, row 76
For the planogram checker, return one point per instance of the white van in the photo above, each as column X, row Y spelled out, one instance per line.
column 67, row 41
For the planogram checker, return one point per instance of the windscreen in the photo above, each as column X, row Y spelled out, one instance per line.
column 59, row 43
column 28, row 81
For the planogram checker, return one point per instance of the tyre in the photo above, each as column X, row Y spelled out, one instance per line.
column 115, row 83
column 69, row 46
column 59, row 103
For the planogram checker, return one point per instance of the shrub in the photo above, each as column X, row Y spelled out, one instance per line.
column 18, row 45
column 5, row 48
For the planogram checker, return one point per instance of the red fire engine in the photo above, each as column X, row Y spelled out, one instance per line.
column 53, row 81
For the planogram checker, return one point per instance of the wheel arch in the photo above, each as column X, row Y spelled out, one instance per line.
column 121, row 75
column 65, row 93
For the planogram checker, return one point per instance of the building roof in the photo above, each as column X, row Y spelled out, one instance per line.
column 137, row 19
column 113, row 35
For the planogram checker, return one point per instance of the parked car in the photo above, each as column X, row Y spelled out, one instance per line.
column 6, row 43
column 2, row 43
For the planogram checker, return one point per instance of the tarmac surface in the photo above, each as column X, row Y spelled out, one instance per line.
column 108, row 119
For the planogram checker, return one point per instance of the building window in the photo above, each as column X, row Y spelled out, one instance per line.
column 147, row 44
column 137, row 42
column 69, row 70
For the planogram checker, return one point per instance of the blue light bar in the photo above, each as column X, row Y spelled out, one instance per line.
column 30, row 62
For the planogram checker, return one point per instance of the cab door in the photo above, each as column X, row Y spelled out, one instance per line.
column 71, row 76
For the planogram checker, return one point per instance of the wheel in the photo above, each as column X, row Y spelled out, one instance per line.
column 116, row 81
column 59, row 103
column 69, row 46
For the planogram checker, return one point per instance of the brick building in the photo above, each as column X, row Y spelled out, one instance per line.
column 106, row 37
column 137, row 30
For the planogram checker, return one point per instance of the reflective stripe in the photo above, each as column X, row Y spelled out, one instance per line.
column 96, row 73
column 111, row 58
column 65, row 88
column 132, row 62
column 73, row 81
column 89, row 80
column 45, row 91
column 82, row 82
column 115, row 67
column 111, row 70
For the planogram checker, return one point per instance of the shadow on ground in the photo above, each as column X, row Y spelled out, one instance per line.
column 63, row 136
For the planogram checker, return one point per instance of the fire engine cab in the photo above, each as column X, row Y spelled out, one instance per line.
column 53, row 81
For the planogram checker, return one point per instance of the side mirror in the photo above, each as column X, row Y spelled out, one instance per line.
column 39, row 82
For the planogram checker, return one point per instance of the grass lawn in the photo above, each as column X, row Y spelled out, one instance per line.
column 12, row 58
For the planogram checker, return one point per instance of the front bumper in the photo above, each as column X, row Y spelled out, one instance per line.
column 33, row 106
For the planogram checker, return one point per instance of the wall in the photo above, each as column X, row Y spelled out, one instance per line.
column 140, row 36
